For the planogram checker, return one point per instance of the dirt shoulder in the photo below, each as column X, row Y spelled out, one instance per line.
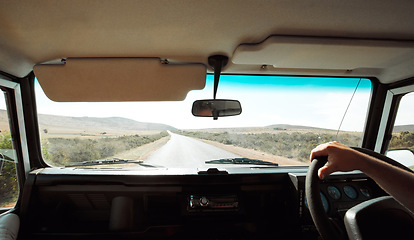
column 254, row 154
column 142, row 152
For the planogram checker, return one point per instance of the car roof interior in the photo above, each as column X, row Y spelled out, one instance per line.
column 131, row 50
column 323, row 38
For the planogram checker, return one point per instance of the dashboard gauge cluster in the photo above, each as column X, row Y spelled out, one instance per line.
column 342, row 196
column 348, row 191
column 338, row 194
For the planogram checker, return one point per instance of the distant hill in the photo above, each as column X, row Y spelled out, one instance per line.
column 111, row 123
column 287, row 126
column 270, row 128
column 93, row 123
column 404, row 128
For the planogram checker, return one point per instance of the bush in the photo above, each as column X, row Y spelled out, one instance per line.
column 291, row 145
column 8, row 177
column 404, row 139
column 65, row 151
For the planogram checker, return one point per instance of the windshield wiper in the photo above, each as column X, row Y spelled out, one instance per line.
column 107, row 162
column 241, row 161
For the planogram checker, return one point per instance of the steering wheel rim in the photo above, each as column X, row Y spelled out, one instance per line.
column 325, row 226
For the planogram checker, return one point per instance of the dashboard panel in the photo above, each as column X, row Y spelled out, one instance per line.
column 105, row 205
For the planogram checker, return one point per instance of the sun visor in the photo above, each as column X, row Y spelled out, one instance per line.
column 324, row 53
column 119, row 79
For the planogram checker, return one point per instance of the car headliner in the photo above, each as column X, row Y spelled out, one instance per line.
column 34, row 32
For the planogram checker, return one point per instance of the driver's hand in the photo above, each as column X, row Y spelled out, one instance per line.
column 340, row 158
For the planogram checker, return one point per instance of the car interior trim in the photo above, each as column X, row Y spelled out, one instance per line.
column 288, row 52
column 20, row 118
column 383, row 123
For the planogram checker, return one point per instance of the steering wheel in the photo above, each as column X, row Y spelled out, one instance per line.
column 326, row 227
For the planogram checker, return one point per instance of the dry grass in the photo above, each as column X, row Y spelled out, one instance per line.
column 254, row 154
column 64, row 133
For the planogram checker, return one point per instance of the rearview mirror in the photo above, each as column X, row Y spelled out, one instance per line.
column 216, row 108
column 403, row 156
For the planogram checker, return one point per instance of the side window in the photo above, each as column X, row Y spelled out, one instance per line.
column 9, row 188
column 401, row 146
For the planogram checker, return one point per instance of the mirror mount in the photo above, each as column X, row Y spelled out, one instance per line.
column 217, row 62
column 216, row 107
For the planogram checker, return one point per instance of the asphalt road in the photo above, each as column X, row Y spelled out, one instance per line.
column 185, row 152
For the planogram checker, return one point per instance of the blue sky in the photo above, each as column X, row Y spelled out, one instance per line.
column 288, row 82
column 318, row 102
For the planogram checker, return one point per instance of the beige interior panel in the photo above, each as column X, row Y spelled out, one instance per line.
column 119, row 79
column 284, row 52
column 33, row 32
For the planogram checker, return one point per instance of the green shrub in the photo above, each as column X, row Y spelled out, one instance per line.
column 404, row 139
column 297, row 145
column 65, row 151
column 8, row 177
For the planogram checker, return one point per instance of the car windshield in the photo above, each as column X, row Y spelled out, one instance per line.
column 282, row 119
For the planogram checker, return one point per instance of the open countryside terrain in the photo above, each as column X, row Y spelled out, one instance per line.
column 293, row 145
column 112, row 126
column 75, row 139
column 64, row 126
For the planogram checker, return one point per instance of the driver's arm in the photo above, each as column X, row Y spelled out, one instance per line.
column 397, row 182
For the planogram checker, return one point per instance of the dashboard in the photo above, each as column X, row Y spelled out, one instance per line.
column 62, row 203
